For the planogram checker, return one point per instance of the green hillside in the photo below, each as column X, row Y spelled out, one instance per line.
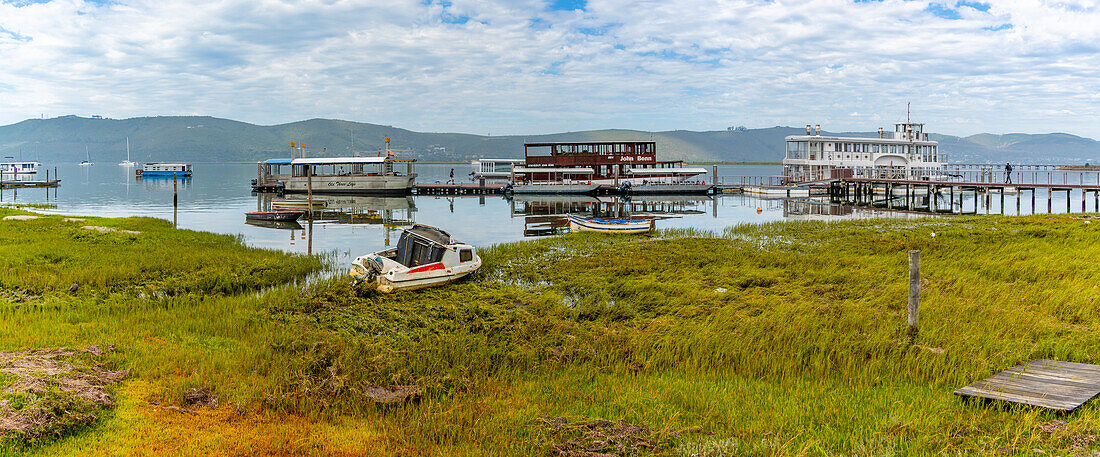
column 209, row 139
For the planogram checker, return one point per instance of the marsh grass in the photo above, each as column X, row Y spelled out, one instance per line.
column 773, row 339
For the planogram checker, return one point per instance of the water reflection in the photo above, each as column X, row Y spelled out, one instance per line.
column 547, row 215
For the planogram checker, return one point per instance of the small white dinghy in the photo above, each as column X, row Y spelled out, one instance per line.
column 595, row 224
column 425, row 256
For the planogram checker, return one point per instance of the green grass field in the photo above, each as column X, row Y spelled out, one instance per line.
column 775, row 339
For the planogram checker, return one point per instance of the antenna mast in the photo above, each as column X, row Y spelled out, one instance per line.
column 907, row 112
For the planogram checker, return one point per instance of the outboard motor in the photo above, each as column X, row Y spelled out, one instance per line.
column 624, row 187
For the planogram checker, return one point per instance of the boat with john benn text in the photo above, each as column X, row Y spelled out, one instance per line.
column 628, row 166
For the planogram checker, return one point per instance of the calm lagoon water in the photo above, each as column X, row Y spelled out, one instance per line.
column 218, row 195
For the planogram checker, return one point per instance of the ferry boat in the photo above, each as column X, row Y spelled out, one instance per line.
column 164, row 169
column 336, row 175
column 19, row 171
column 905, row 154
column 582, row 167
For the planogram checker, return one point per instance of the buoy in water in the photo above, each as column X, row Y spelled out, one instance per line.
column 758, row 210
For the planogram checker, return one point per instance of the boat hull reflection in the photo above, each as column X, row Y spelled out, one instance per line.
column 546, row 215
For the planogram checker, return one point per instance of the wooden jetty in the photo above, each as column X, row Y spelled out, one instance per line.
column 1061, row 386
column 10, row 184
column 901, row 193
column 478, row 188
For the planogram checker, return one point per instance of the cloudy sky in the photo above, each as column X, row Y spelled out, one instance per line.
column 538, row 66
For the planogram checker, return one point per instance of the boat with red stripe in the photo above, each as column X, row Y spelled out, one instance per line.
column 425, row 256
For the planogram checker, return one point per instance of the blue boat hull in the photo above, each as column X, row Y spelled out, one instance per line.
column 149, row 174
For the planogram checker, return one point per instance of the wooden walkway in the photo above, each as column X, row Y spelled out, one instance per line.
column 456, row 189
column 1061, row 386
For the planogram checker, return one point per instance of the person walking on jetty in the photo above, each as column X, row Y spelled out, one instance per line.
column 452, row 180
column 1008, row 173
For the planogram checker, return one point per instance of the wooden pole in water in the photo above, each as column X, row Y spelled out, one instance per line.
column 175, row 200
column 914, row 291
column 309, row 190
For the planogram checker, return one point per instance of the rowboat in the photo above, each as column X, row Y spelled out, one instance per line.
column 425, row 256
column 594, row 224
column 277, row 215
column 283, row 203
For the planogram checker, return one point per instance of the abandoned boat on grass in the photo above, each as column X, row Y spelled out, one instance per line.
column 425, row 256
column 595, row 224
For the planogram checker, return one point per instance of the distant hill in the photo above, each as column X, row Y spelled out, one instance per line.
column 209, row 139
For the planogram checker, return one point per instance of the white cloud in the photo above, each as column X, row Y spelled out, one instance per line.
column 516, row 67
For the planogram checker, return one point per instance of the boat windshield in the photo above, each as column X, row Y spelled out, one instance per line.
column 421, row 245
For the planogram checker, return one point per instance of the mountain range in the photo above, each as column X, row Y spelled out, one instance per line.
column 210, row 139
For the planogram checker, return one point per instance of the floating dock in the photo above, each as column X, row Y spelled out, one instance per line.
column 1051, row 384
column 457, row 189
column 19, row 184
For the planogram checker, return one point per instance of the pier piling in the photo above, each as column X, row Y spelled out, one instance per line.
column 914, row 291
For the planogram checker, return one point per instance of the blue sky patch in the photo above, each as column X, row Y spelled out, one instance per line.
column 998, row 28
column 983, row 7
column 15, row 36
column 943, row 11
column 567, row 5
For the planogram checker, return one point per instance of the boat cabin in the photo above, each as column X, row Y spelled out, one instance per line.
column 18, row 170
column 493, row 168
column 422, row 245
column 165, row 169
column 273, row 170
column 605, row 159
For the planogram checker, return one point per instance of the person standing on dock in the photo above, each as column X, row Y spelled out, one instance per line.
column 1008, row 173
column 452, row 180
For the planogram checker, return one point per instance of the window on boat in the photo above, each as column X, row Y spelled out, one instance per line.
column 465, row 255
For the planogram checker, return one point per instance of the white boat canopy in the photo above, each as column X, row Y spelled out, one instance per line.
column 666, row 171
column 573, row 170
column 336, row 160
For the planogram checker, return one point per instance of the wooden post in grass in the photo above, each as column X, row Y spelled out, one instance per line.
column 914, row 291
column 175, row 200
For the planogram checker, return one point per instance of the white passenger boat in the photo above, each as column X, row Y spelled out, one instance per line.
column 19, row 171
column 337, row 175
column 376, row 175
column 425, row 256
column 594, row 224
column 908, row 153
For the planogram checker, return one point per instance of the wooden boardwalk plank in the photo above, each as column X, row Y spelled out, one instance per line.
column 1052, row 384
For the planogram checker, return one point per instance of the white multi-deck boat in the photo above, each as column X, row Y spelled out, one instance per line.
column 19, row 171
column 906, row 154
